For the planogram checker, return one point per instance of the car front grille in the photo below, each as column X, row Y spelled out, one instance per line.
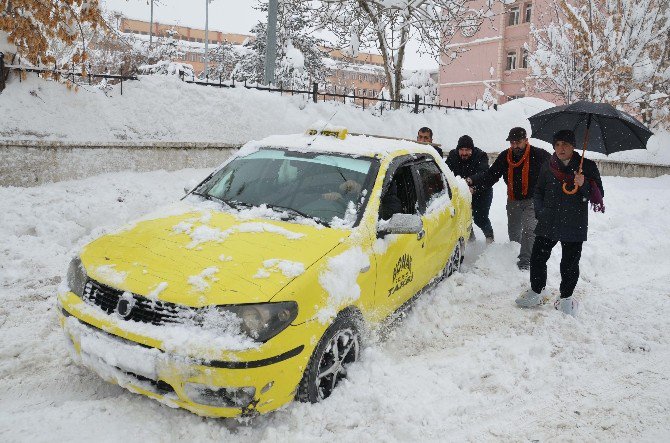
column 141, row 309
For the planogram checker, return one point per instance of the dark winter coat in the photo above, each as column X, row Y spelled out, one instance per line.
column 538, row 158
column 560, row 216
column 477, row 163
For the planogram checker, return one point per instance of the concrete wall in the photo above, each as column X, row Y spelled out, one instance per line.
column 32, row 163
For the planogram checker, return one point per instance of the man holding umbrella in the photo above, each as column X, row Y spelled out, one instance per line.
column 520, row 167
column 564, row 188
column 568, row 183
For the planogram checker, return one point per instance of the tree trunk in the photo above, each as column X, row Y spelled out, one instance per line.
column 399, row 64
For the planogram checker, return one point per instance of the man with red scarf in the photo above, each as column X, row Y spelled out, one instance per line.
column 564, row 189
column 520, row 167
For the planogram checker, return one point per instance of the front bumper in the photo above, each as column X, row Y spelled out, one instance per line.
column 258, row 382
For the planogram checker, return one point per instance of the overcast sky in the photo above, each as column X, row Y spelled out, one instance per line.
column 224, row 15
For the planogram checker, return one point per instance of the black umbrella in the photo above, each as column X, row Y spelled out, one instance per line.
column 603, row 128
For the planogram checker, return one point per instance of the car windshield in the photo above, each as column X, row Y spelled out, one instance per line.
column 329, row 188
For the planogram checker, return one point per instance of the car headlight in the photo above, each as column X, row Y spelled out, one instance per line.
column 76, row 277
column 260, row 321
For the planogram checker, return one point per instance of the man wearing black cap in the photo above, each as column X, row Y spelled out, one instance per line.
column 465, row 161
column 564, row 189
column 520, row 167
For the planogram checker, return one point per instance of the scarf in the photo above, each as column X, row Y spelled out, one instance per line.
column 525, row 161
column 595, row 196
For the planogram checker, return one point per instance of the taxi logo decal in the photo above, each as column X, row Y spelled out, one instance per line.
column 402, row 273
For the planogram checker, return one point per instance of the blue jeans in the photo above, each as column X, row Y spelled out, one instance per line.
column 481, row 204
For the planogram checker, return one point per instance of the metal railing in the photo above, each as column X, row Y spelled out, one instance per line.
column 380, row 102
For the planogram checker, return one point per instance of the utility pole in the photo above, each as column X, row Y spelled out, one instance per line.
column 271, row 44
column 206, row 36
column 151, row 24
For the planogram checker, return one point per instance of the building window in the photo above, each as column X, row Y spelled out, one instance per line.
column 528, row 13
column 524, row 58
column 513, row 16
column 511, row 60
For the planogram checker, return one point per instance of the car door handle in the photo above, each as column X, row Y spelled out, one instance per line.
column 420, row 234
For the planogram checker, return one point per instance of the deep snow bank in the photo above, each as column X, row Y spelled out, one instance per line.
column 166, row 109
column 466, row 364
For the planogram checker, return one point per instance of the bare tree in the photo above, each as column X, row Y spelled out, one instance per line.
column 389, row 25
column 613, row 51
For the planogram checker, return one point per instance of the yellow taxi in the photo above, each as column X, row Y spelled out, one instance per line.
column 256, row 288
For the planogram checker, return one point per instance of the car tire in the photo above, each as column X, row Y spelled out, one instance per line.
column 456, row 258
column 337, row 349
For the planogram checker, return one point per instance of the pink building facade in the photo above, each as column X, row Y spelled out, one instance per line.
column 494, row 57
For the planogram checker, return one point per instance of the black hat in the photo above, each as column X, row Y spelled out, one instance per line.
column 565, row 135
column 516, row 134
column 465, row 142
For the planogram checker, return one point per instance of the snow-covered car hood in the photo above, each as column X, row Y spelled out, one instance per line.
column 213, row 259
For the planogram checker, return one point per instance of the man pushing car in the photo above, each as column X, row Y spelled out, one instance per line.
column 519, row 166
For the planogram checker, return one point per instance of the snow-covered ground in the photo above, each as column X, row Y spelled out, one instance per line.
column 162, row 108
column 466, row 365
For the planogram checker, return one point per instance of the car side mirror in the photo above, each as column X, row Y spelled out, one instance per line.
column 400, row 224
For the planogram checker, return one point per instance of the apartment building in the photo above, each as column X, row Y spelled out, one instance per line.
column 495, row 56
column 363, row 74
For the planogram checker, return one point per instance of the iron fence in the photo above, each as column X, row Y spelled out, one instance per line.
column 380, row 102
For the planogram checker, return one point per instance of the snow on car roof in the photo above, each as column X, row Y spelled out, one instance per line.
column 357, row 145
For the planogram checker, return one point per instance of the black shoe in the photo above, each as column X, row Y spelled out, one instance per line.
column 523, row 266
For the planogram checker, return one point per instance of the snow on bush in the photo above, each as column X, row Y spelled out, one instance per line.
column 166, row 67
column 422, row 84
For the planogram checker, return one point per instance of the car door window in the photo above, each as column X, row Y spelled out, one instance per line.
column 400, row 195
column 432, row 181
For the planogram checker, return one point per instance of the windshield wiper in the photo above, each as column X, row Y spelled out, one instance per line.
column 236, row 204
column 194, row 192
column 296, row 212
column 233, row 204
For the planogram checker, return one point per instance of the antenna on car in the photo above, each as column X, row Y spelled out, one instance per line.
column 322, row 130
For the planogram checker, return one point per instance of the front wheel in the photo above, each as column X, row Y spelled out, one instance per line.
column 339, row 347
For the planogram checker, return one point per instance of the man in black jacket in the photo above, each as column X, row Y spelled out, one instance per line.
column 425, row 135
column 465, row 161
column 520, row 167
column 561, row 205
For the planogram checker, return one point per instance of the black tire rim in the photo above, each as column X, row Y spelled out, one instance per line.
column 342, row 350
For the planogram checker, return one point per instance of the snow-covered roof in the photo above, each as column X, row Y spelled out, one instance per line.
column 357, row 145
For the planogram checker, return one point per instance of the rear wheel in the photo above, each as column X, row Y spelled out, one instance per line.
column 339, row 347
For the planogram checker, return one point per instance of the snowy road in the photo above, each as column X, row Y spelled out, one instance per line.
column 465, row 365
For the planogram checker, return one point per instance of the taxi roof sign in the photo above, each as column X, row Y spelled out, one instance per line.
column 340, row 133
